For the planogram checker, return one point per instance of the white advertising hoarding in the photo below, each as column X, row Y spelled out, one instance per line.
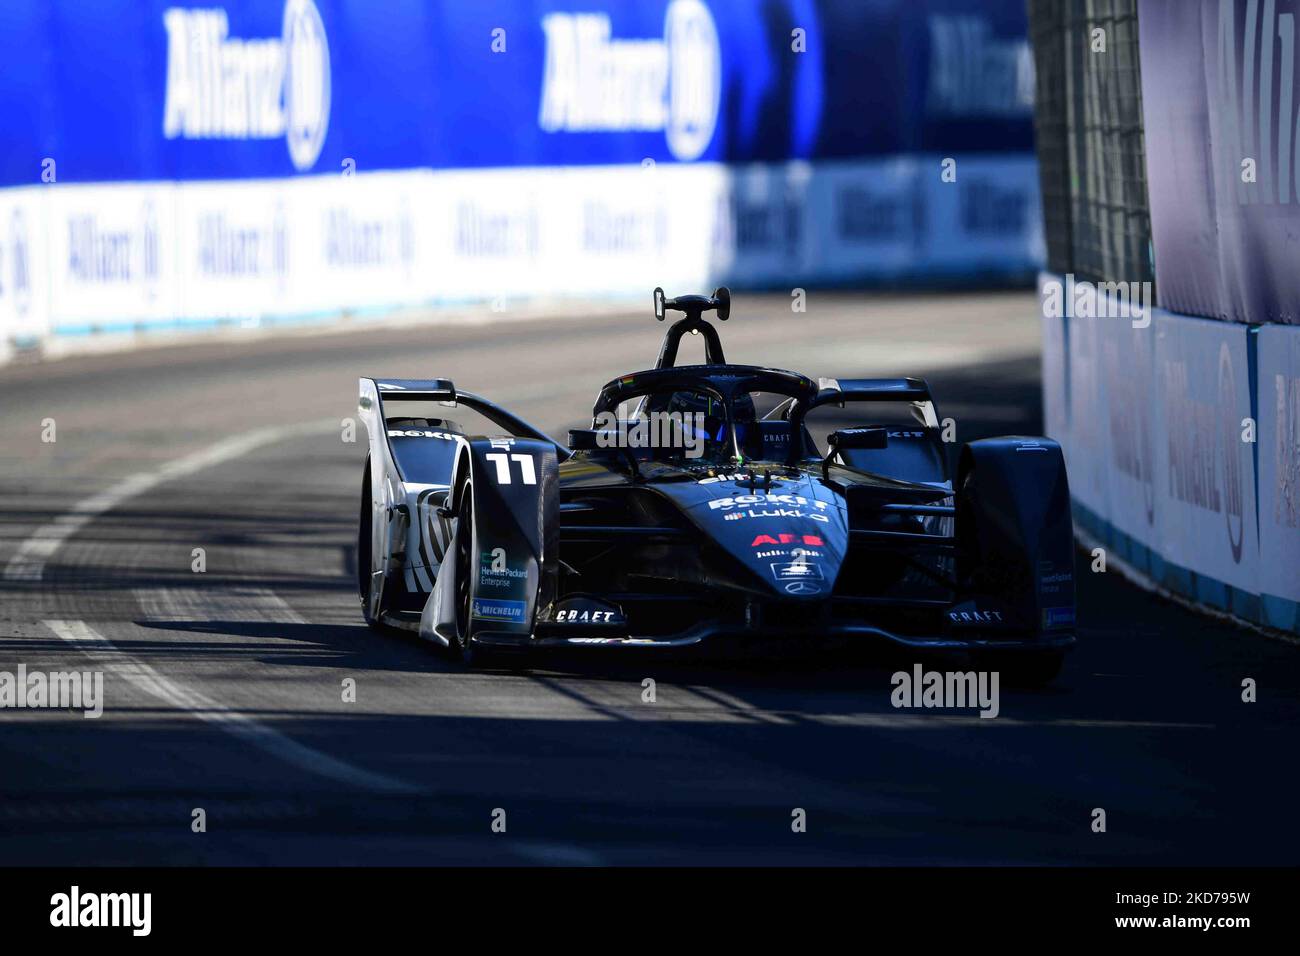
column 24, row 268
column 1087, row 455
column 1056, row 398
column 112, row 255
column 1205, row 470
column 1127, row 352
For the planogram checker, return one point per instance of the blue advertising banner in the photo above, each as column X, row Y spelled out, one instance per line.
column 129, row 90
column 176, row 165
column 1221, row 106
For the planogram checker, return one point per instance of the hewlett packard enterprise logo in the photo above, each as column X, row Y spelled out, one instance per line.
column 225, row 87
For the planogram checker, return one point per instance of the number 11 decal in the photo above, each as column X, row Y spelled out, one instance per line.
column 526, row 468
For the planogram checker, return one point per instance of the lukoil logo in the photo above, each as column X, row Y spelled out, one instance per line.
column 593, row 83
column 223, row 87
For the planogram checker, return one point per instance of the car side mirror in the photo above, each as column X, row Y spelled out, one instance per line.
column 851, row 439
column 722, row 296
column 659, row 303
column 582, row 439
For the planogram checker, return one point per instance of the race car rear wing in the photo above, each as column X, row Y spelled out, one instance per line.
column 841, row 390
column 375, row 392
column 415, row 389
column 831, row 391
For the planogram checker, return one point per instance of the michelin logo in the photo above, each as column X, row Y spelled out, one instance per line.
column 493, row 610
column 593, row 83
column 223, row 87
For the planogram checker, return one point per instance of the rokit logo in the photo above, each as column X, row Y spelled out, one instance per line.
column 419, row 433
column 223, row 87
column 593, row 83
column 764, row 498
column 770, row 506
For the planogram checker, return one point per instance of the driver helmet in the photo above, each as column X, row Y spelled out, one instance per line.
column 690, row 403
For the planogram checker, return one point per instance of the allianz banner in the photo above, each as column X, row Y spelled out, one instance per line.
column 1129, row 394
column 1086, row 455
column 1099, row 401
column 1279, row 475
column 1205, row 444
column 130, row 90
column 169, row 165
column 1221, row 106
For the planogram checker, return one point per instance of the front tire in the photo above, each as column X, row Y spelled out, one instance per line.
column 365, row 555
column 462, row 646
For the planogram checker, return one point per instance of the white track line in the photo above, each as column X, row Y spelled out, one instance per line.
column 181, row 605
column 146, row 678
column 28, row 563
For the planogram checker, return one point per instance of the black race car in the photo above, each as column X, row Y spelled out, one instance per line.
column 698, row 508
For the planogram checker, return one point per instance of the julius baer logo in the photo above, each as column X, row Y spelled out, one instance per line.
column 596, row 83
column 226, row 87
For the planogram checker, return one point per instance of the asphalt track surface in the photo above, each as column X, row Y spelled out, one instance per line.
column 223, row 688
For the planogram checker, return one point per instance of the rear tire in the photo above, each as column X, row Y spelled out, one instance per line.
column 1015, row 536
